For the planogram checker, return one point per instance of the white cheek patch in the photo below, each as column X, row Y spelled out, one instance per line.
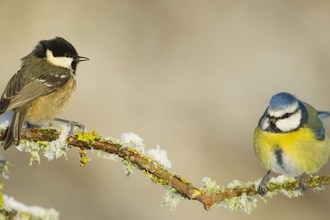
column 278, row 113
column 59, row 61
column 290, row 123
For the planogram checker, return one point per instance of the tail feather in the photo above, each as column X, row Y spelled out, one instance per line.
column 323, row 115
column 13, row 136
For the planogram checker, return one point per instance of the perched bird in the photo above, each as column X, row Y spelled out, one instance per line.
column 290, row 139
column 42, row 88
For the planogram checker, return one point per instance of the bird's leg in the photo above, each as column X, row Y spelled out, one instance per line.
column 72, row 124
column 263, row 185
column 303, row 183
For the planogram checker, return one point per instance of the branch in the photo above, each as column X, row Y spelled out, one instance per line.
column 236, row 196
column 11, row 209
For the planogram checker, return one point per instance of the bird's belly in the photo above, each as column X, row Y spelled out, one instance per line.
column 46, row 108
column 281, row 162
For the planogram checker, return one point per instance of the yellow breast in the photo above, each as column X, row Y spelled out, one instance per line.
column 291, row 153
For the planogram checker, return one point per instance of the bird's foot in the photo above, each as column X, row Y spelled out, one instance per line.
column 263, row 185
column 73, row 125
column 303, row 183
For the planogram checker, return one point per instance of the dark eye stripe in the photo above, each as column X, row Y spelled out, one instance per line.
column 286, row 115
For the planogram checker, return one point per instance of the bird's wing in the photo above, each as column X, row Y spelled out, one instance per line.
column 22, row 89
column 320, row 133
column 315, row 122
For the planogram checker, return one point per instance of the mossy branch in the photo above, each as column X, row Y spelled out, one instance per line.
column 236, row 196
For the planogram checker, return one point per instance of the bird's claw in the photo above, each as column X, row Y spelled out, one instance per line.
column 73, row 125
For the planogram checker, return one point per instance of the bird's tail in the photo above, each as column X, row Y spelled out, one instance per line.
column 323, row 115
column 13, row 136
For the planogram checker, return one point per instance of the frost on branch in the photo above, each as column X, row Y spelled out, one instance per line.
column 134, row 143
column 243, row 202
column 172, row 198
column 50, row 149
column 160, row 156
column 130, row 149
column 16, row 210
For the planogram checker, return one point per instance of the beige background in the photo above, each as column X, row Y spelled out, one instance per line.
column 191, row 76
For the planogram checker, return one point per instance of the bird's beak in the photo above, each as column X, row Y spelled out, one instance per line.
column 80, row 59
column 273, row 120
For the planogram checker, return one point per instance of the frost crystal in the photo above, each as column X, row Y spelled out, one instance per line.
column 129, row 167
column 160, row 156
column 112, row 157
column 57, row 148
column 172, row 198
column 4, row 125
column 50, row 149
column 235, row 183
column 281, row 179
column 36, row 212
column 243, row 203
column 131, row 140
column 209, row 186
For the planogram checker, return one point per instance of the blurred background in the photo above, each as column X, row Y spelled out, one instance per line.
column 191, row 76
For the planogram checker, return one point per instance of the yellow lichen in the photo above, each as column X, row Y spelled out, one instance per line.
column 183, row 180
column 87, row 137
column 83, row 157
column 154, row 178
column 196, row 192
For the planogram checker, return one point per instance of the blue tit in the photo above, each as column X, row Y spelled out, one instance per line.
column 290, row 139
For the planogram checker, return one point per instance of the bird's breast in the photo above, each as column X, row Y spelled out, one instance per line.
column 47, row 107
column 291, row 153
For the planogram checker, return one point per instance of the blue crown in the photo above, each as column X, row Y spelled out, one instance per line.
column 281, row 101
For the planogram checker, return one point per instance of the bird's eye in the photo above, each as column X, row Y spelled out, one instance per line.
column 67, row 55
column 286, row 115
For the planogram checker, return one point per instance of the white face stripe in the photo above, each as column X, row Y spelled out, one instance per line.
column 279, row 113
column 290, row 123
column 59, row 61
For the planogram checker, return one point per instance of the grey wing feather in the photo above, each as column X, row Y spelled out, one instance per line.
column 21, row 90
